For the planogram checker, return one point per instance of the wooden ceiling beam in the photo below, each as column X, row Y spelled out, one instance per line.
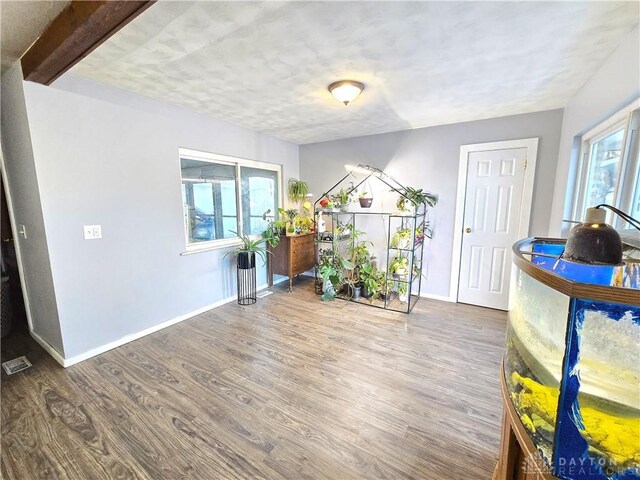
column 79, row 29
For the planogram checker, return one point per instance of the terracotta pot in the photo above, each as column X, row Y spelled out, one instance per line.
column 365, row 202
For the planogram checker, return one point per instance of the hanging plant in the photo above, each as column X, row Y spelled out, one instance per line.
column 297, row 189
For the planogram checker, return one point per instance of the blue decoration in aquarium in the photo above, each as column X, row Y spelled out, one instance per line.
column 576, row 272
column 571, row 460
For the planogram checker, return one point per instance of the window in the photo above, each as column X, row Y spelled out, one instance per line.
column 609, row 171
column 222, row 195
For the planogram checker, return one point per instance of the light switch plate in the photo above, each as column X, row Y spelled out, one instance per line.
column 92, row 232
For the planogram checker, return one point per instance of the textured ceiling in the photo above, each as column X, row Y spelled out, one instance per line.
column 22, row 22
column 266, row 65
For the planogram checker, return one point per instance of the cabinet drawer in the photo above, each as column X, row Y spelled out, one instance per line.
column 298, row 255
column 302, row 264
column 302, row 241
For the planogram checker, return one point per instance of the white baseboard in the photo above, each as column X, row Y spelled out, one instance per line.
column 67, row 362
column 49, row 349
column 442, row 298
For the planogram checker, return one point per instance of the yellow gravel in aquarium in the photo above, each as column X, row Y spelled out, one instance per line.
column 617, row 438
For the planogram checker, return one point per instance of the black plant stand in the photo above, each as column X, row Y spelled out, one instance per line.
column 246, row 278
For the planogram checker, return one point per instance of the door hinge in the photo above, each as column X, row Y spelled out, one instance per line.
column 525, row 163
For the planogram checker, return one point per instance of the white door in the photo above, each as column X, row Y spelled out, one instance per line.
column 493, row 200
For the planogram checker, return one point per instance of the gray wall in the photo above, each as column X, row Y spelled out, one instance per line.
column 22, row 179
column 611, row 88
column 113, row 161
column 428, row 158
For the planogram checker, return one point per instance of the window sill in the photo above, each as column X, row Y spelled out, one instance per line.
column 209, row 247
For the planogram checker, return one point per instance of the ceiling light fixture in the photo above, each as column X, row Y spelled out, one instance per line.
column 346, row 91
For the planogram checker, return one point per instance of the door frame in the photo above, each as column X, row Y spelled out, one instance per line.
column 531, row 144
column 16, row 237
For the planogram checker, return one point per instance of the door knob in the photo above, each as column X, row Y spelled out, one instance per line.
column 468, row 229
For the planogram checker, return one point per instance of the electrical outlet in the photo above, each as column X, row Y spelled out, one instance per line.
column 92, row 232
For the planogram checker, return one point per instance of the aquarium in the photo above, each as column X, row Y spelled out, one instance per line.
column 572, row 364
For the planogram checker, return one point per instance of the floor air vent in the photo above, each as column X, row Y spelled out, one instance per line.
column 16, row 365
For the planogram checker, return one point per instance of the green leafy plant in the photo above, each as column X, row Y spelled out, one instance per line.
column 248, row 245
column 291, row 214
column 332, row 268
column 271, row 235
column 298, row 189
column 342, row 198
column 401, row 239
column 399, row 266
column 358, row 254
column 369, row 278
column 303, row 224
column 382, row 284
column 402, row 289
column 363, row 195
column 417, row 196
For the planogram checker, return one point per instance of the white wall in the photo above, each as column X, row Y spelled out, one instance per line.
column 428, row 158
column 108, row 157
column 22, row 180
column 613, row 86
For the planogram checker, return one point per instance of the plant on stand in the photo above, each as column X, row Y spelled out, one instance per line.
column 342, row 199
column 248, row 250
column 332, row 267
column 358, row 254
column 382, row 292
column 401, row 239
column 399, row 267
column 403, row 291
column 414, row 197
column 370, row 278
column 246, row 254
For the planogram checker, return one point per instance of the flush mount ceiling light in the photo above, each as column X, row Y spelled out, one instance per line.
column 346, row 91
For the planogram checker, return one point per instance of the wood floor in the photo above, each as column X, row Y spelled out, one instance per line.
column 290, row 388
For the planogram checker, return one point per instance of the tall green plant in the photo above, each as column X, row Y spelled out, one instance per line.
column 332, row 268
column 249, row 245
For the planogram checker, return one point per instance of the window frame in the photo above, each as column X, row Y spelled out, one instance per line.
column 237, row 163
column 624, row 119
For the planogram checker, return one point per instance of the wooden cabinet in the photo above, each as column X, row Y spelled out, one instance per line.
column 292, row 256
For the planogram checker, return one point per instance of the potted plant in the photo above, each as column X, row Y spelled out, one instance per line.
column 415, row 197
column 326, row 203
column 298, row 189
column 291, row 214
column 403, row 291
column 246, row 252
column 358, row 254
column 399, row 267
column 271, row 235
column 418, row 196
column 342, row 199
column 382, row 291
column 401, row 239
column 365, row 201
column 304, row 225
column 369, row 278
column 332, row 267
